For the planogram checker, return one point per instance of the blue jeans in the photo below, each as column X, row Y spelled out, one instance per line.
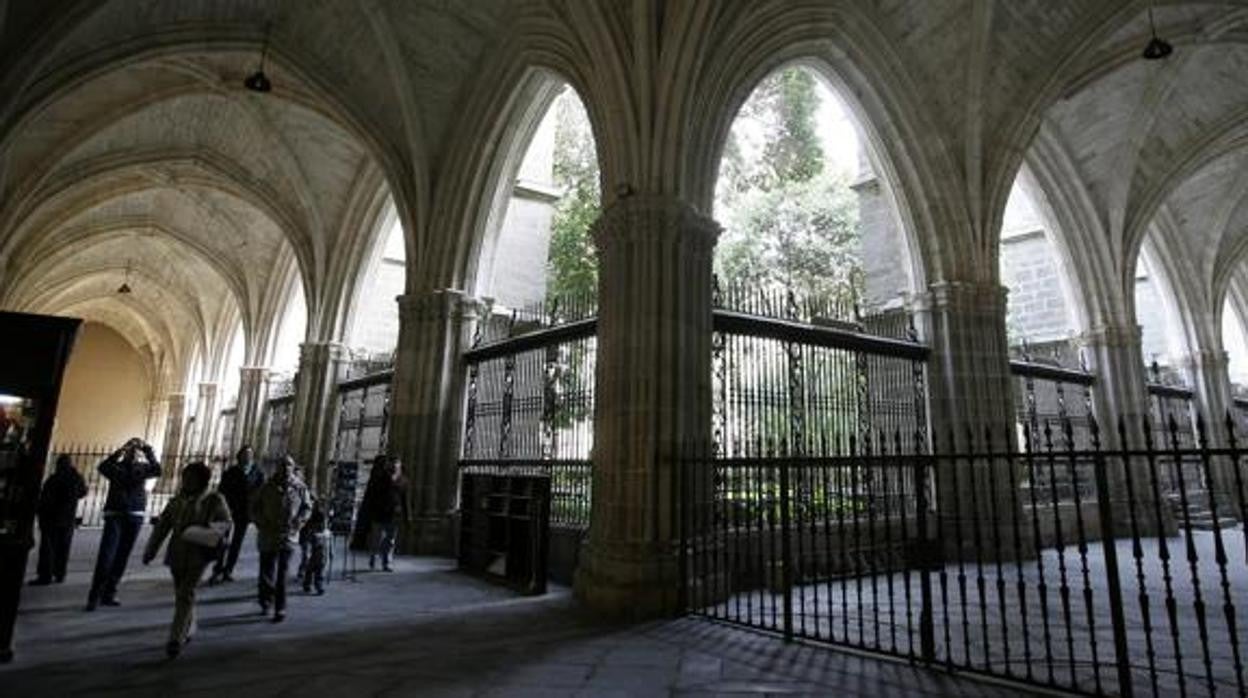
column 120, row 532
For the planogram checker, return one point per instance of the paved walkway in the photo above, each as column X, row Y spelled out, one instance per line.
column 424, row 630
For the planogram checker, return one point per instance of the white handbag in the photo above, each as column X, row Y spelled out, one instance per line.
column 207, row 536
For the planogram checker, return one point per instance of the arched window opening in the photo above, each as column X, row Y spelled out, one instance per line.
column 1235, row 343
column 1161, row 336
column 1038, row 314
column 544, row 255
column 540, row 269
column 376, row 331
column 233, row 362
column 1040, row 320
column 291, row 330
column 801, row 206
column 1164, row 345
column 811, row 239
column 228, row 418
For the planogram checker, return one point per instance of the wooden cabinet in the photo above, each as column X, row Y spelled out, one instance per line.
column 505, row 529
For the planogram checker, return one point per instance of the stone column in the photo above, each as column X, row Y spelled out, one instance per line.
column 1120, row 392
column 253, row 393
column 173, row 431
column 1209, row 374
column 207, row 422
column 427, row 408
column 311, row 431
column 1120, row 404
column 653, row 400
column 971, row 409
column 155, row 425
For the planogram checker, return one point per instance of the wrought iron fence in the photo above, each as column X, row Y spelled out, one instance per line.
column 570, row 484
column 280, row 415
column 228, row 422
column 363, row 423
column 86, row 460
column 530, row 404
column 965, row 556
column 363, row 364
column 789, row 379
column 281, row 384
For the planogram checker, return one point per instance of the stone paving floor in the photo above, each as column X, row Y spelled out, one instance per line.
column 424, row 630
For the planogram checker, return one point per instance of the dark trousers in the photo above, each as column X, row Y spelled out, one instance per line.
column 120, row 532
column 229, row 555
column 274, row 568
column 314, row 567
column 54, row 544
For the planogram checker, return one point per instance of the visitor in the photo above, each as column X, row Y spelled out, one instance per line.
column 384, row 506
column 124, row 508
column 313, row 544
column 196, row 522
column 239, row 485
column 279, row 511
column 58, row 513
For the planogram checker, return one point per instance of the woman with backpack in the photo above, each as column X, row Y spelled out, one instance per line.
column 196, row 522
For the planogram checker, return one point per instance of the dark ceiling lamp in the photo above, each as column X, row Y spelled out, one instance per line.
column 1157, row 48
column 258, row 81
column 124, row 288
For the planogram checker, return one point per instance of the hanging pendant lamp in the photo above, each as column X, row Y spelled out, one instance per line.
column 1157, row 48
column 258, row 81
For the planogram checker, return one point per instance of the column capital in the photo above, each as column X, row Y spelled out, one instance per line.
column 441, row 305
column 1205, row 359
column 176, row 398
column 978, row 296
column 649, row 217
column 1111, row 336
column 314, row 351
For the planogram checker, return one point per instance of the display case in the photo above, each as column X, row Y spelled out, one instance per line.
column 505, row 529
column 33, row 354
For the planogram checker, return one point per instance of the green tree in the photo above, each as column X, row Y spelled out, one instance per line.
column 789, row 221
column 572, row 263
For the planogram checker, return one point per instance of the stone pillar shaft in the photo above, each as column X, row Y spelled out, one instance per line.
column 971, row 398
column 253, row 392
column 174, row 431
column 1120, row 392
column 206, row 425
column 427, row 408
column 1209, row 374
column 316, row 400
column 1120, row 404
column 156, row 424
column 653, row 399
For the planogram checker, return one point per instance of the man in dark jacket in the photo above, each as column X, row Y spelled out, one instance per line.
column 124, row 509
column 58, row 512
column 280, row 509
column 239, row 484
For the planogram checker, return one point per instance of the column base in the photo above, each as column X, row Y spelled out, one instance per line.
column 630, row 583
column 431, row 534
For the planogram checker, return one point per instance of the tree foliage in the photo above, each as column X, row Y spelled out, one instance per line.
column 572, row 264
column 789, row 220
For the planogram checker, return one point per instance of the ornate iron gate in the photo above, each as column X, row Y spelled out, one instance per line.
column 530, row 403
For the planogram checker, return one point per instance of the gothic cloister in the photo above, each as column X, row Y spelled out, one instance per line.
column 353, row 258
